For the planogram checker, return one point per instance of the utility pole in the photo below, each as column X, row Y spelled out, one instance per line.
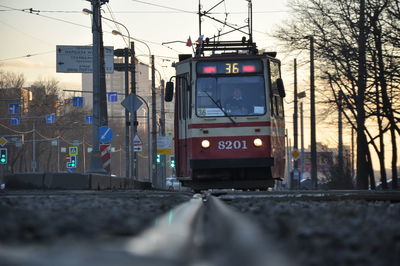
column 314, row 171
column 296, row 176
column 134, row 123
column 153, row 154
column 302, row 138
column 99, row 89
column 34, row 163
column 162, row 129
column 127, row 124
column 340, row 132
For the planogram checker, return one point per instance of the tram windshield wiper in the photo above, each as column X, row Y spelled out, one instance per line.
column 218, row 104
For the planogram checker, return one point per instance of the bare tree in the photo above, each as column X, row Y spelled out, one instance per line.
column 355, row 60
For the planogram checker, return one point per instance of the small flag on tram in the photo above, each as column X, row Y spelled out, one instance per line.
column 200, row 39
column 189, row 42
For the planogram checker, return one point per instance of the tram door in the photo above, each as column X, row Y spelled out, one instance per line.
column 183, row 114
column 277, row 122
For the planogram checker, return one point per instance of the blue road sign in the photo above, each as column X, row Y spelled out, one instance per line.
column 88, row 119
column 50, row 119
column 73, row 150
column 70, row 170
column 112, row 97
column 15, row 120
column 77, row 101
column 105, row 134
column 13, row 108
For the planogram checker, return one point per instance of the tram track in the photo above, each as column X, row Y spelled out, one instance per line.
column 219, row 228
column 205, row 231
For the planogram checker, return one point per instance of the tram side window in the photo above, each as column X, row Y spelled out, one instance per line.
column 183, row 99
column 276, row 100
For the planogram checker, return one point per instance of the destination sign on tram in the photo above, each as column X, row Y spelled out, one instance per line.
column 229, row 67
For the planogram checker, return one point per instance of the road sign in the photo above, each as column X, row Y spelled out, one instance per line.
column 112, row 97
column 137, row 141
column 132, row 103
column 3, row 141
column 79, row 59
column 106, row 134
column 13, row 108
column 137, row 144
column 54, row 143
column 77, row 101
column 137, row 148
column 295, row 155
column 73, row 150
column 164, row 145
column 50, row 119
column 15, row 120
column 89, row 119
column 105, row 150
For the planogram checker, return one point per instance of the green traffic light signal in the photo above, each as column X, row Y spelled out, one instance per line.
column 3, row 156
column 158, row 158
column 73, row 161
column 172, row 162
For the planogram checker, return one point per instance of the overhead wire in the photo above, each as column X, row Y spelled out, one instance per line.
column 116, row 24
column 28, row 55
column 166, row 7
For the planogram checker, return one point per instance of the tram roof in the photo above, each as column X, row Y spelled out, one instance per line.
column 226, row 56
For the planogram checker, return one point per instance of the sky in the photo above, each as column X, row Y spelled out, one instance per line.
column 56, row 22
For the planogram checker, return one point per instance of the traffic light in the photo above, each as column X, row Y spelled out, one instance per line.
column 158, row 158
column 72, row 161
column 172, row 162
column 3, row 156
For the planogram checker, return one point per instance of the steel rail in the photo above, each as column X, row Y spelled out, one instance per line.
column 205, row 231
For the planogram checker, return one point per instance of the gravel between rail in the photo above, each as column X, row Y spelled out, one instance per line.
column 89, row 228
column 354, row 233
column 40, row 217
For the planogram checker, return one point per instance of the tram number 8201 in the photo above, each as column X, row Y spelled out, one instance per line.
column 232, row 145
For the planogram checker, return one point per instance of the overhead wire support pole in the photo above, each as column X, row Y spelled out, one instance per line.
column 134, row 161
column 127, row 146
column 162, row 129
column 99, row 114
column 295, row 125
column 314, row 171
column 153, row 126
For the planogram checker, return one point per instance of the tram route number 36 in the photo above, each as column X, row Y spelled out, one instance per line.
column 232, row 68
column 232, row 145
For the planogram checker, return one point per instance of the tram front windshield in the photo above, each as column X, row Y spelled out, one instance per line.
column 237, row 96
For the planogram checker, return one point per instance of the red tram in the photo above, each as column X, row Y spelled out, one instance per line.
column 229, row 118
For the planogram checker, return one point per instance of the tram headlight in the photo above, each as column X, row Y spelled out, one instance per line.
column 258, row 142
column 205, row 144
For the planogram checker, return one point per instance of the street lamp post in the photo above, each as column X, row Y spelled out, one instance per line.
column 153, row 154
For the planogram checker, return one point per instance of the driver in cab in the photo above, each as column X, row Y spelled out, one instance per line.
column 236, row 105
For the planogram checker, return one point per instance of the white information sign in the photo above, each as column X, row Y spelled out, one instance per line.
column 78, row 59
column 164, row 145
